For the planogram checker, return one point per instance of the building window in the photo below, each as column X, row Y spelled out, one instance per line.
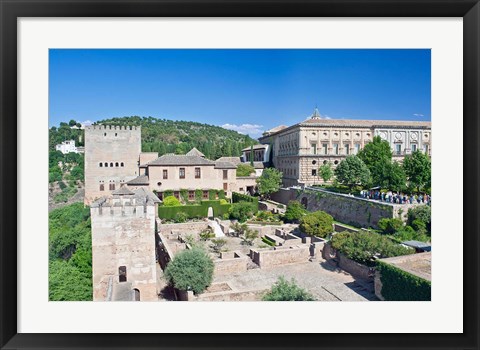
column 335, row 162
column 414, row 148
column 398, row 149
column 136, row 294
column 324, row 148
column 197, row 173
column 347, row 149
column 182, row 173
column 106, row 165
column 425, row 148
column 122, row 274
column 314, row 172
column 111, row 187
column 104, row 134
column 225, row 174
column 357, row 148
column 100, row 164
column 111, row 165
column 225, row 186
column 102, row 187
column 116, row 134
column 165, row 174
column 116, row 164
column 313, row 147
column 176, row 194
column 122, row 165
column 191, row 195
column 205, row 195
column 335, row 148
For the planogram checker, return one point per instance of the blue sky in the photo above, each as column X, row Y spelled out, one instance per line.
column 245, row 90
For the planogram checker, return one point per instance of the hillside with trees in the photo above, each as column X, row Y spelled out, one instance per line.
column 169, row 136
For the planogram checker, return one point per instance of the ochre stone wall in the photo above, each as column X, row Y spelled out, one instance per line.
column 280, row 256
column 230, row 266
column 113, row 145
column 124, row 236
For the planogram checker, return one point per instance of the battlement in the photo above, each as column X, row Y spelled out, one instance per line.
column 112, row 128
column 124, row 210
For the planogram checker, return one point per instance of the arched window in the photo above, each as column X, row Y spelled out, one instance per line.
column 115, row 134
column 100, row 165
column 136, row 294
column 116, row 164
column 121, row 164
column 104, row 134
column 111, row 165
column 122, row 274
column 106, row 165
column 102, row 187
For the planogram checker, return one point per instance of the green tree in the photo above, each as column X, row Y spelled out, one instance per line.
column 376, row 155
column 352, row 171
column 319, row 224
column 294, row 212
column 283, row 290
column 269, row 182
column 191, row 269
column 72, row 122
column 421, row 213
column 248, row 236
column 390, row 226
column 242, row 211
column 394, row 177
column 245, row 170
column 418, row 169
column 170, row 201
column 326, row 172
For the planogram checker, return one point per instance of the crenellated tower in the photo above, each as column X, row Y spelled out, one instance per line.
column 111, row 158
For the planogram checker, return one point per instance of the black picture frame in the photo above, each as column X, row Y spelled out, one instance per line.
column 11, row 10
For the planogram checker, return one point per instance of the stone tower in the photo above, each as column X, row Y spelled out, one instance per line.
column 111, row 158
column 123, row 246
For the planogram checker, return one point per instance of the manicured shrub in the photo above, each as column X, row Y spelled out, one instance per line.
column 283, row 290
column 181, row 217
column 399, row 285
column 191, row 269
column 365, row 246
column 212, row 194
column 242, row 211
column 170, row 201
column 319, row 224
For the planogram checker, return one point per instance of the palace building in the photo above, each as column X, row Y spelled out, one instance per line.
column 299, row 150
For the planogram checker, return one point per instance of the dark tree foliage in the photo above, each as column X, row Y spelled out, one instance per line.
column 70, row 253
column 191, row 269
column 418, row 169
column 294, row 212
column 318, row 224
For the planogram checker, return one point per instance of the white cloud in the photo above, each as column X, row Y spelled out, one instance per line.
column 326, row 117
column 86, row 123
column 253, row 130
column 418, row 115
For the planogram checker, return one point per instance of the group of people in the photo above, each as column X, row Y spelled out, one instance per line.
column 397, row 198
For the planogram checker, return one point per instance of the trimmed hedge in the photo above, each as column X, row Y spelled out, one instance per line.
column 196, row 210
column 238, row 197
column 399, row 285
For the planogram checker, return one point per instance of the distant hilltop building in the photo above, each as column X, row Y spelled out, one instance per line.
column 69, row 147
column 299, row 150
column 113, row 159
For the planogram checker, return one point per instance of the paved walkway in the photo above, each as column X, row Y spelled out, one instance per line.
column 319, row 278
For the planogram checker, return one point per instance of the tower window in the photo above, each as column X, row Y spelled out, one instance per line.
column 106, row 165
column 102, row 187
column 100, row 165
column 121, row 164
column 122, row 274
column 111, row 165
column 116, row 164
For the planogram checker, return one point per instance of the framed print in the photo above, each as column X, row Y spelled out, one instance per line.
column 78, row 67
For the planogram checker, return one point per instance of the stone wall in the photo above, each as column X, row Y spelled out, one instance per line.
column 350, row 210
column 186, row 227
column 280, row 255
column 124, row 236
column 231, row 263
